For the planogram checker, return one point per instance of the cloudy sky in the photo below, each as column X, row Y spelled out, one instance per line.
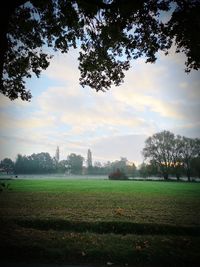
column 153, row 97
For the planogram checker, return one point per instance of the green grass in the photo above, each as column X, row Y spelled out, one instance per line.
column 106, row 186
column 96, row 221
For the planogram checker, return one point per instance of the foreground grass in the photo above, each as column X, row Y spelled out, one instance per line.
column 95, row 221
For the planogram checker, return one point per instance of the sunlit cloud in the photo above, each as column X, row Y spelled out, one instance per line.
column 12, row 122
column 141, row 102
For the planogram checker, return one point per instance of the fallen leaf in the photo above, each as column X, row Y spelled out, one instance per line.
column 119, row 211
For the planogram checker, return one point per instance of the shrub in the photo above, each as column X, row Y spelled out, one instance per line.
column 117, row 175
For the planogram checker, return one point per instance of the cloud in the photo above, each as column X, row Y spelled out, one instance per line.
column 86, row 112
column 140, row 102
column 191, row 130
column 152, row 98
column 9, row 121
column 64, row 68
column 112, row 148
column 147, row 90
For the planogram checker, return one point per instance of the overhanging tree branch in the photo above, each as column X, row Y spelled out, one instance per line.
column 110, row 34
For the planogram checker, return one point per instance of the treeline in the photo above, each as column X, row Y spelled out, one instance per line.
column 109, row 167
column 40, row 163
column 165, row 155
column 43, row 163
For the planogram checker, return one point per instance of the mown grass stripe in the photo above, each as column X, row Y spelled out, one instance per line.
column 116, row 227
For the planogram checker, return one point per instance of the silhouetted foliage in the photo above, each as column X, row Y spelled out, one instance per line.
column 109, row 33
column 195, row 167
column 158, row 149
column 40, row 163
column 172, row 154
column 61, row 166
column 146, row 170
column 7, row 165
column 190, row 151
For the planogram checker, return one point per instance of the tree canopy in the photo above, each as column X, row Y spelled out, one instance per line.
column 75, row 163
column 39, row 163
column 109, row 34
column 172, row 154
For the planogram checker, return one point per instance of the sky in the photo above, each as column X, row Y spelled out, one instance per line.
column 114, row 124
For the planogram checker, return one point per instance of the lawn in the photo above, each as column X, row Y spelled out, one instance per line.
column 99, row 222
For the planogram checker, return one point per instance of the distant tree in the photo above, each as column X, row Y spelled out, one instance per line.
column 120, row 164
column 46, row 164
column 153, row 169
column 75, row 163
column 62, row 166
column 97, row 164
column 172, row 155
column 89, row 158
column 143, row 170
column 190, row 151
column 158, row 149
column 109, row 32
column 57, row 155
column 131, row 170
column 7, row 165
column 117, row 175
column 40, row 163
column 98, row 169
column 89, row 162
column 177, row 159
column 107, row 166
column 21, row 165
column 195, row 167
column 148, row 169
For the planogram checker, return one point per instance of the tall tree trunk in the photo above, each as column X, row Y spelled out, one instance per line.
column 165, row 175
column 178, row 176
column 188, row 175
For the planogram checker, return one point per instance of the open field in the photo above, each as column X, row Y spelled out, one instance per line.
column 128, row 223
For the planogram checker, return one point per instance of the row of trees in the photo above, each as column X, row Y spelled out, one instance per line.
column 43, row 163
column 168, row 154
column 109, row 167
column 165, row 155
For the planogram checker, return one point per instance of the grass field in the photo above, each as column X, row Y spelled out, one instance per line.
column 99, row 222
